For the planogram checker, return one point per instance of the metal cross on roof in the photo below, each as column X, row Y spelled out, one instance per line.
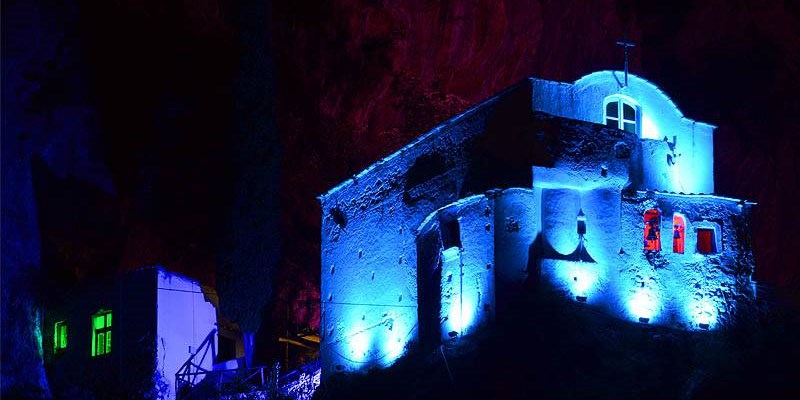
column 625, row 43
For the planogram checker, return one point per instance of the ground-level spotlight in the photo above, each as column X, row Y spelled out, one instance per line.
column 581, row 299
column 644, row 320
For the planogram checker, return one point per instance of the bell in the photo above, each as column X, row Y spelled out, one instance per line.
column 677, row 234
column 651, row 234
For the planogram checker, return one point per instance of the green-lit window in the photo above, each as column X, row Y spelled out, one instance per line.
column 101, row 333
column 60, row 336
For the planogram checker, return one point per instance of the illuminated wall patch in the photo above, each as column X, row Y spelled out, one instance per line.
column 359, row 343
column 649, row 129
column 458, row 305
column 643, row 305
column 580, row 278
column 702, row 313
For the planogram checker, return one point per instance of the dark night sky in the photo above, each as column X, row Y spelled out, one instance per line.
column 138, row 103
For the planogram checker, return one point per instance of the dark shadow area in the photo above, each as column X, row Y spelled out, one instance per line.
column 128, row 369
column 82, row 234
column 429, row 277
column 422, row 176
column 514, row 140
column 559, row 349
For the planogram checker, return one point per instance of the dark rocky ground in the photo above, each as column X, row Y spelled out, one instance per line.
column 547, row 347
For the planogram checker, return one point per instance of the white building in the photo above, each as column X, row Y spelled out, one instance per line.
column 601, row 189
column 128, row 336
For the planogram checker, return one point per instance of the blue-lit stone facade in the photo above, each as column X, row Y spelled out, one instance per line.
column 545, row 182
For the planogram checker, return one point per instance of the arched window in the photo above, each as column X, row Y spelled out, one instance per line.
column 621, row 112
column 678, row 233
column 652, row 230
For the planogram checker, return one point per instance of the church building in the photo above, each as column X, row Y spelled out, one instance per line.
column 600, row 188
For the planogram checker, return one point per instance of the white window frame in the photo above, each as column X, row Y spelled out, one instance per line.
column 621, row 101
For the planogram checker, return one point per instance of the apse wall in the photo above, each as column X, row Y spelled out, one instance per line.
column 689, row 161
column 580, row 260
column 690, row 288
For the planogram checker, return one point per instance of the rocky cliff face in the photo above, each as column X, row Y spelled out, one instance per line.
column 116, row 141
column 49, row 141
column 96, row 147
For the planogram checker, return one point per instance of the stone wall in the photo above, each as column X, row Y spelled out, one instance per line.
column 690, row 145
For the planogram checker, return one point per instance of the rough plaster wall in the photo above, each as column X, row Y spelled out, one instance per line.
column 590, row 280
column 556, row 98
column 657, row 173
column 517, row 222
column 697, row 167
column 369, row 289
column 369, row 264
column 594, row 164
column 686, row 288
column 560, row 209
column 602, row 209
column 580, row 273
column 681, row 290
column 692, row 142
column 468, row 278
column 184, row 320
column 587, row 156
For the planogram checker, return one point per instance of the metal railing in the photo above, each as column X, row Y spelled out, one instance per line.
column 222, row 383
column 195, row 381
column 192, row 372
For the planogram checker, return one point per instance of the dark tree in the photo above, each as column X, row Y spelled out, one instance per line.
column 250, row 247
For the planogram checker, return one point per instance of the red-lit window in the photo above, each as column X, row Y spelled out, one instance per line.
column 706, row 242
column 652, row 230
column 678, row 233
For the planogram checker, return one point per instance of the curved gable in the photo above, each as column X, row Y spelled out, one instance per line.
column 678, row 152
column 660, row 115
